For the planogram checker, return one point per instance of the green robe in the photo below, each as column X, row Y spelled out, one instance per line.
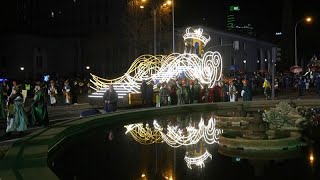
column 17, row 119
column 39, row 109
column 2, row 113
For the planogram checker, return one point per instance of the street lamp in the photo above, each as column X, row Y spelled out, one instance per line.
column 172, row 6
column 22, row 68
column 155, row 8
column 245, row 64
column 87, row 67
column 308, row 19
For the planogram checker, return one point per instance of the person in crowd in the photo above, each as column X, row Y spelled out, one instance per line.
column 27, row 87
column 173, row 92
column 16, row 117
column 266, row 88
column 110, row 98
column 52, row 91
column 181, row 93
column 143, row 90
column 246, row 92
column 157, row 92
column 196, row 91
column 225, row 92
column 216, row 92
column 75, row 92
column 301, row 86
column 2, row 103
column 205, row 94
column 39, row 107
column 164, row 94
column 67, row 92
column 150, row 94
column 232, row 92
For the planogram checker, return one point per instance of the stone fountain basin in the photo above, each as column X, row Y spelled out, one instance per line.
column 232, row 144
column 234, row 139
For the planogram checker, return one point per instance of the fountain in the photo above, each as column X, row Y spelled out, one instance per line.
column 274, row 134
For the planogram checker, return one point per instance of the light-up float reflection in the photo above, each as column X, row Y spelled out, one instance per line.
column 206, row 67
column 175, row 137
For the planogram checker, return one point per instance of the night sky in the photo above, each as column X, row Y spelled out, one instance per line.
column 266, row 16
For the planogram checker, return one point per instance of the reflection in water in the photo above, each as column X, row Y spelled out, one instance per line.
column 311, row 157
column 174, row 136
column 94, row 155
column 198, row 161
column 193, row 136
column 143, row 135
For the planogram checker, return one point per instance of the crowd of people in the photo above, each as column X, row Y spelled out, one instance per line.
column 25, row 104
column 231, row 88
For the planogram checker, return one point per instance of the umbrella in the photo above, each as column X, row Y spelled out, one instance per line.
column 233, row 68
column 3, row 79
column 295, row 69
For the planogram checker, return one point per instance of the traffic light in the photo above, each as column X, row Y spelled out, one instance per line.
column 278, row 54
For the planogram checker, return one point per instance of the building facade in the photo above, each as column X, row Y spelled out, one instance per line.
column 245, row 53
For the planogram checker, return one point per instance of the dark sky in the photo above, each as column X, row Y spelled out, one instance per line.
column 266, row 15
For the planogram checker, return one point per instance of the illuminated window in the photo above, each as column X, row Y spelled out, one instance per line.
column 234, row 8
column 236, row 45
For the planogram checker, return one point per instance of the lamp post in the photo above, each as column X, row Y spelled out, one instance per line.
column 245, row 64
column 155, row 7
column 172, row 6
column 308, row 19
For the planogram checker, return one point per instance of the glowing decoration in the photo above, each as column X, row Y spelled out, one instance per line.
column 196, row 34
column 207, row 69
column 198, row 161
column 143, row 135
column 176, row 137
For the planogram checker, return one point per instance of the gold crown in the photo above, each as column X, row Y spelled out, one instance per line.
column 196, row 34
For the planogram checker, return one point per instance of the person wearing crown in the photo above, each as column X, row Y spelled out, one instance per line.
column 67, row 92
column 16, row 117
column 39, row 107
column 52, row 91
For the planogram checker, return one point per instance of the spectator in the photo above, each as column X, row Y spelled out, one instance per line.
column 110, row 99
column 266, row 88
column 143, row 90
column 150, row 94
column 246, row 92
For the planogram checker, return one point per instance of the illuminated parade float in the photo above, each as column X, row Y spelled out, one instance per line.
column 194, row 63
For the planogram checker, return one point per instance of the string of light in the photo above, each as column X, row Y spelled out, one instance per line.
column 174, row 136
column 198, row 161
